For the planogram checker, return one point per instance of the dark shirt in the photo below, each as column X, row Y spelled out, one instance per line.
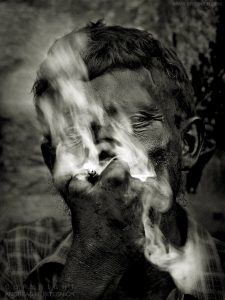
column 33, row 256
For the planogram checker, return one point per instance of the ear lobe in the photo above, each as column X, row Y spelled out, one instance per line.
column 192, row 140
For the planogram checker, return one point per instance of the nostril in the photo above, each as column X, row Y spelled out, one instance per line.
column 104, row 155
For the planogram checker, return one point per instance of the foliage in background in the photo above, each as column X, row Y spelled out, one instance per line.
column 27, row 29
column 208, row 79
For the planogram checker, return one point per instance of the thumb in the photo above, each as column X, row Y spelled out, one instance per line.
column 115, row 177
column 78, row 189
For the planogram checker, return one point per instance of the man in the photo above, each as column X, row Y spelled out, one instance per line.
column 119, row 125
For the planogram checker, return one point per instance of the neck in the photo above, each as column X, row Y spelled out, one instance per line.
column 142, row 280
column 174, row 226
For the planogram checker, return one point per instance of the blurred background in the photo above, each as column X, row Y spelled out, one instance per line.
column 27, row 29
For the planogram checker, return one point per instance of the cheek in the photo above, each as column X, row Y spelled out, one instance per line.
column 154, row 139
column 163, row 147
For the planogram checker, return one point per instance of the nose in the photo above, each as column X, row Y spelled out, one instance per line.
column 104, row 140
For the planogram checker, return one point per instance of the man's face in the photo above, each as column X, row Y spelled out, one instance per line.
column 135, row 95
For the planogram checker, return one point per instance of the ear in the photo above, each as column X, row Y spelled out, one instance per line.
column 192, row 140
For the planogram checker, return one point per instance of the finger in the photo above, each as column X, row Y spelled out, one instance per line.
column 80, row 202
column 115, row 176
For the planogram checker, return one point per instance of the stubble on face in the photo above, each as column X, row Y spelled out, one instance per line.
column 143, row 97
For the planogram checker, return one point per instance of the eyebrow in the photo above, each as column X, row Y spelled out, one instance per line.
column 151, row 109
column 40, row 86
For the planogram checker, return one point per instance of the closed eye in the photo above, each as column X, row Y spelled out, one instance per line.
column 138, row 118
column 143, row 119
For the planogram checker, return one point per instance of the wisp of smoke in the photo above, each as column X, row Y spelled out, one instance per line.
column 70, row 111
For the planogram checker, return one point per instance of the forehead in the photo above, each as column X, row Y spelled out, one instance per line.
column 124, row 89
column 129, row 91
column 134, row 91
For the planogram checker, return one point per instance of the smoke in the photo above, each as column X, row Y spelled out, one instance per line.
column 185, row 265
column 71, row 112
column 70, row 108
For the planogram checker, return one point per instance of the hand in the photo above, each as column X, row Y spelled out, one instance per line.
column 107, row 219
column 107, row 216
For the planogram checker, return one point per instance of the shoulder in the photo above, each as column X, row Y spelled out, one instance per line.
column 23, row 247
column 43, row 235
column 213, row 248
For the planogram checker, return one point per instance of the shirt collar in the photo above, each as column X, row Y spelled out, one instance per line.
column 199, row 245
column 197, row 269
column 59, row 255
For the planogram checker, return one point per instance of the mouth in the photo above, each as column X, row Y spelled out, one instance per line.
column 106, row 155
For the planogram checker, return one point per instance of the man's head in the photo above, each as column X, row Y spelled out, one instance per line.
column 131, row 76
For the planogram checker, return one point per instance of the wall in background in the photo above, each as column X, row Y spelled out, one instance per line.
column 27, row 29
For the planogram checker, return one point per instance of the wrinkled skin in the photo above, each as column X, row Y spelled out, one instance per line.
column 128, row 91
column 114, row 202
column 107, row 204
column 106, row 216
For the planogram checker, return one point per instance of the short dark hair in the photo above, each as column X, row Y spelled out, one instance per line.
column 117, row 47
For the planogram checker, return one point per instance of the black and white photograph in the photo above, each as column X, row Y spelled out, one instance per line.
column 112, row 150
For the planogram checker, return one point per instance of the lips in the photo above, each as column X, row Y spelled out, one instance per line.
column 105, row 155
